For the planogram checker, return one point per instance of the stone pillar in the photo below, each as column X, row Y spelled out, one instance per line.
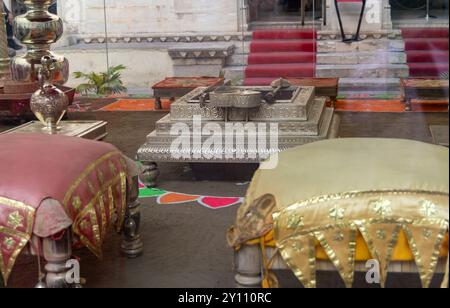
column 5, row 72
column 71, row 12
column 377, row 16
column 243, row 15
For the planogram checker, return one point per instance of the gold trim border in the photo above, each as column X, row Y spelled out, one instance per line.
column 24, row 237
column 402, row 223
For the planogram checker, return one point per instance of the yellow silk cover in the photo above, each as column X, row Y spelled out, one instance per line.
column 338, row 193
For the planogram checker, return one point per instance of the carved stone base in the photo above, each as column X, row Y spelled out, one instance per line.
column 248, row 267
column 57, row 253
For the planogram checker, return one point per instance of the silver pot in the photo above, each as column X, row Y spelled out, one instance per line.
column 49, row 104
column 235, row 98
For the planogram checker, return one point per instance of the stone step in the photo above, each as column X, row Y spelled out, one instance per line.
column 242, row 47
column 185, row 108
column 234, row 72
column 365, row 45
column 296, row 137
column 374, row 34
column 237, row 59
column 326, row 127
column 363, row 71
column 369, row 84
column 288, row 25
column 362, row 57
column 368, row 95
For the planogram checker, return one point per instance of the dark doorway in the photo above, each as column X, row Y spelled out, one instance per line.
column 292, row 5
column 282, row 10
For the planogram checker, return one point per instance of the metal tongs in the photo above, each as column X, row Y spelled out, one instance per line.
column 205, row 95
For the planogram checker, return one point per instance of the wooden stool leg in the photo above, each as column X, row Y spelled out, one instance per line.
column 132, row 245
column 248, row 267
column 333, row 101
column 56, row 254
column 158, row 103
column 408, row 106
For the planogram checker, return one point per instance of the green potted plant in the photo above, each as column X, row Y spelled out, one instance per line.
column 102, row 84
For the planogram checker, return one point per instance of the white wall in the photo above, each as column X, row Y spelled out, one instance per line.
column 149, row 16
column 144, row 66
column 377, row 16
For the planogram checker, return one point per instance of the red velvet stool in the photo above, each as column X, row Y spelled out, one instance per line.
column 57, row 191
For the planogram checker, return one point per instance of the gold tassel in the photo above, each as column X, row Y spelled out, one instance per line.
column 270, row 280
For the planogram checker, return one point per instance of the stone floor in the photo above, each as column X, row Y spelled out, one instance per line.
column 185, row 245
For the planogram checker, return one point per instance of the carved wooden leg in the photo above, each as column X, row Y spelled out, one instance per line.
column 158, row 104
column 333, row 101
column 150, row 174
column 408, row 106
column 57, row 253
column 132, row 245
column 248, row 267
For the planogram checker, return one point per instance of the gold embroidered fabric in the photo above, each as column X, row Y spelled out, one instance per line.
column 96, row 198
column 335, row 190
column 423, row 217
column 15, row 233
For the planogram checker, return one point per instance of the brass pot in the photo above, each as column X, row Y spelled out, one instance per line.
column 26, row 67
column 38, row 29
column 37, row 4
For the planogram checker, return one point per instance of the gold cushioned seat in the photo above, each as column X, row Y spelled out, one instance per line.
column 350, row 200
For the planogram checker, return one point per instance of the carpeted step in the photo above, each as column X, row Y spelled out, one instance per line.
column 261, row 81
column 364, row 85
column 305, row 34
column 420, row 56
column 281, row 57
column 362, row 70
column 427, row 69
column 426, row 44
column 282, row 46
column 281, row 70
column 425, row 33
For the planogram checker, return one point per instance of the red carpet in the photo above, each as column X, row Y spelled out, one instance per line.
column 136, row 105
column 395, row 106
column 427, row 50
column 280, row 53
column 354, row 105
